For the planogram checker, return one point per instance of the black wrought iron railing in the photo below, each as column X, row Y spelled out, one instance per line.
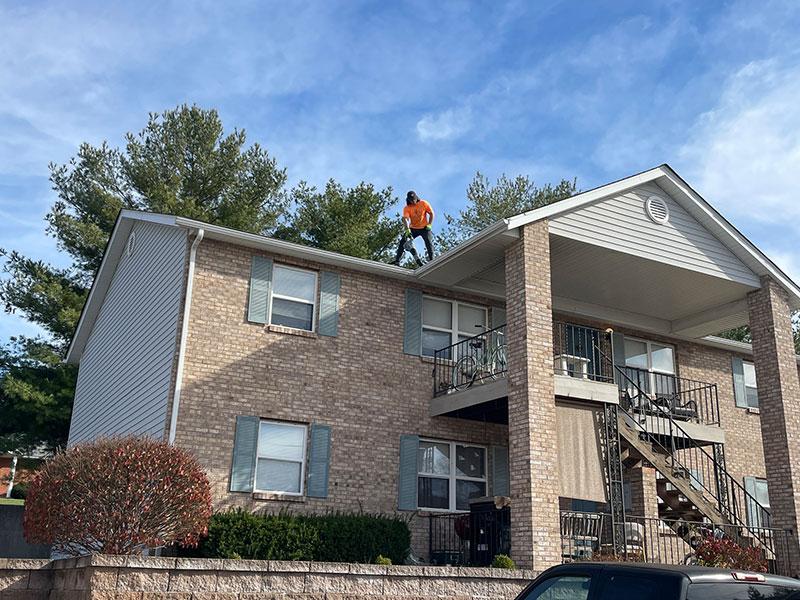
column 588, row 536
column 477, row 359
column 685, row 399
column 469, row 539
column 690, row 461
column 578, row 352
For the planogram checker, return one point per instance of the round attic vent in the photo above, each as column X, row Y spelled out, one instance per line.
column 657, row 209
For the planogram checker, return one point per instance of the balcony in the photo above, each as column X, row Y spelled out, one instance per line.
column 469, row 377
column 684, row 399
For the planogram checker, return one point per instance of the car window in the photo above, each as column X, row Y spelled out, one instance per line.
column 572, row 587
column 740, row 591
column 642, row 586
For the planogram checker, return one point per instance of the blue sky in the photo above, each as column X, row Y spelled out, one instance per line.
column 420, row 95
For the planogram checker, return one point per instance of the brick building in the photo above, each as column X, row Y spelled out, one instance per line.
column 562, row 363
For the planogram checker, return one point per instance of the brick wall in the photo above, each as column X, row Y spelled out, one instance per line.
column 140, row 578
column 533, row 460
column 359, row 382
column 779, row 400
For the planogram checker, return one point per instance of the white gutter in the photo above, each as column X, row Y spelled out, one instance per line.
column 187, row 304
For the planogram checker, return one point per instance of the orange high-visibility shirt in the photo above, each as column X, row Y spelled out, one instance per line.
column 416, row 214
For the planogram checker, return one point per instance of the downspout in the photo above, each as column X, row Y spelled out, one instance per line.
column 187, row 305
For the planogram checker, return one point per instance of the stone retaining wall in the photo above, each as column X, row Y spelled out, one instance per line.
column 143, row 578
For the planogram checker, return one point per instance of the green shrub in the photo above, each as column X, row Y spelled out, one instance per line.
column 334, row 537
column 503, row 561
column 382, row 560
column 20, row 490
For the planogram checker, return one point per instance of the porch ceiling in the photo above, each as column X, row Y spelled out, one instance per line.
column 623, row 289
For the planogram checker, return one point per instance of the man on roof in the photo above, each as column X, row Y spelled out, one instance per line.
column 418, row 219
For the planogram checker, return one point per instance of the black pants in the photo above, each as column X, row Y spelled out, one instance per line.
column 425, row 233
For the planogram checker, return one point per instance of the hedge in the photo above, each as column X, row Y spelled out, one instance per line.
column 335, row 537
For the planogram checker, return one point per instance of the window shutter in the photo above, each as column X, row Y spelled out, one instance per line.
column 500, row 476
column 739, row 391
column 412, row 340
column 319, row 458
column 329, row 303
column 245, row 446
column 498, row 317
column 260, row 283
column 407, row 483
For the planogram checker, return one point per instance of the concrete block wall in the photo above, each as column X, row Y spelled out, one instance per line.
column 141, row 578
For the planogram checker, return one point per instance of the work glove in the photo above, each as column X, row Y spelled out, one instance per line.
column 408, row 231
column 428, row 227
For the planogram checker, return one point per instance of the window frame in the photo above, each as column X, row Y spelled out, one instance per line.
column 304, row 428
column 453, row 331
column 650, row 370
column 453, row 477
column 314, row 303
column 751, row 520
column 751, row 387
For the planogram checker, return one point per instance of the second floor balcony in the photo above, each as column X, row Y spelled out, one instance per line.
column 469, row 378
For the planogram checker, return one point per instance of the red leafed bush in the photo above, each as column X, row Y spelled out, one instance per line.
column 725, row 553
column 118, row 496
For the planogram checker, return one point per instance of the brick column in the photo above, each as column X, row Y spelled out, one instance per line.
column 535, row 529
column 644, row 496
column 779, row 401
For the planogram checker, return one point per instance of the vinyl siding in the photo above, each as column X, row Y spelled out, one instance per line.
column 125, row 372
column 621, row 223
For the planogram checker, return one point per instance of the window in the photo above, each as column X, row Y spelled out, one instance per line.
column 657, row 359
column 445, row 322
column 642, row 586
column 750, row 386
column 281, row 458
column 758, row 495
column 570, row 587
column 293, row 297
column 449, row 475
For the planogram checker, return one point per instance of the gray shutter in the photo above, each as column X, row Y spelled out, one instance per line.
column 501, row 485
column 319, row 458
column 260, row 283
column 329, row 303
column 412, row 340
column 498, row 317
column 407, row 483
column 739, row 391
column 245, row 446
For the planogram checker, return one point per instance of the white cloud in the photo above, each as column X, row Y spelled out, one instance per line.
column 446, row 125
column 745, row 153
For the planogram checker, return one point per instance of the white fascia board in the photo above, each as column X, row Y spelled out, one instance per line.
column 104, row 275
column 497, row 228
column 587, row 197
column 253, row 240
column 733, row 238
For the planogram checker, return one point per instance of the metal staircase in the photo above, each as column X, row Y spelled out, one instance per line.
column 695, row 485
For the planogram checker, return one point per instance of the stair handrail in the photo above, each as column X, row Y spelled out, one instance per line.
column 673, row 425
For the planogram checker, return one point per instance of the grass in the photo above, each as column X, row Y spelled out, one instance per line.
column 12, row 501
